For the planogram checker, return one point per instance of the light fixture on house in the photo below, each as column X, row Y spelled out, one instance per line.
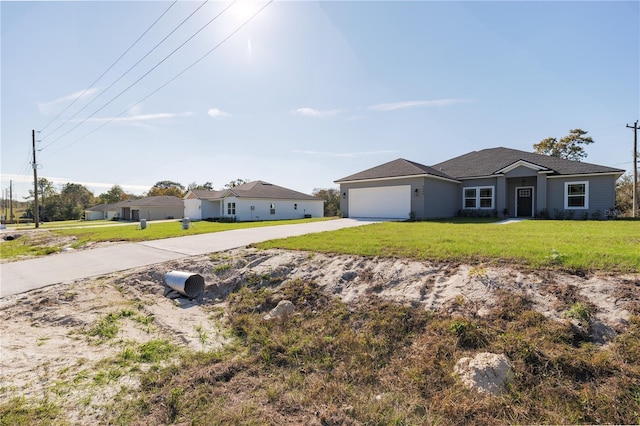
column 344, row 195
column 415, row 191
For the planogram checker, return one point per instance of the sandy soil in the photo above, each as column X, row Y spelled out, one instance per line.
column 47, row 346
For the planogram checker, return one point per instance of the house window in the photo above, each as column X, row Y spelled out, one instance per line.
column 470, row 198
column 272, row 208
column 576, row 195
column 480, row 197
column 231, row 209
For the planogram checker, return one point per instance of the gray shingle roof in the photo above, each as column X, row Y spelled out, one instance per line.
column 395, row 168
column 488, row 161
column 205, row 194
column 255, row 189
column 261, row 189
column 159, row 201
column 102, row 208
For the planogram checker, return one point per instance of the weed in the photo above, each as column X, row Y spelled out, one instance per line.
column 173, row 404
column 220, row 269
column 202, row 334
column 20, row 411
column 555, row 257
column 579, row 312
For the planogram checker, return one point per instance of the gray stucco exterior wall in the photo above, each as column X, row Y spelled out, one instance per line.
column 441, row 199
column 601, row 194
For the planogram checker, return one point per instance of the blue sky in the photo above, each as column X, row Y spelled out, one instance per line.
column 306, row 92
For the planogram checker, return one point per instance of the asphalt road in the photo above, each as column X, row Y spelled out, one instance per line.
column 20, row 277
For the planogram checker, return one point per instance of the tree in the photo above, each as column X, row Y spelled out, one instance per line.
column 624, row 195
column 113, row 195
column 166, row 187
column 236, row 182
column 75, row 198
column 206, row 186
column 331, row 197
column 569, row 147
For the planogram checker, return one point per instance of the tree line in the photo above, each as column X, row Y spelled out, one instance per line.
column 73, row 199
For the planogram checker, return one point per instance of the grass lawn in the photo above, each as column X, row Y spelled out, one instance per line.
column 572, row 245
column 155, row 231
column 41, row 244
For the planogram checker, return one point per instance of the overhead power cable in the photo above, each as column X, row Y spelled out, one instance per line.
column 107, row 70
column 143, row 75
column 169, row 81
column 126, row 72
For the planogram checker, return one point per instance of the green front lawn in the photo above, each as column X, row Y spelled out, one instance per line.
column 158, row 230
column 31, row 244
column 572, row 245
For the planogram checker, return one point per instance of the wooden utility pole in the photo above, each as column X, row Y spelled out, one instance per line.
column 11, row 201
column 36, row 218
column 635, row 167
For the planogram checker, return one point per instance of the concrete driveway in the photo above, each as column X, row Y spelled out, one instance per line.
column 27, row 275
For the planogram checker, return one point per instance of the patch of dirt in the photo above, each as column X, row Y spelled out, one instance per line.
column 47, row 334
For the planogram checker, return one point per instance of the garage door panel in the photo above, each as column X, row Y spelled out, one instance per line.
column 388, row 202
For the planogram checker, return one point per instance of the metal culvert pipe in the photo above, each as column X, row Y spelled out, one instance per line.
column 185, row 283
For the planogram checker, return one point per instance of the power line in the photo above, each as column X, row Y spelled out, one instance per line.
column 121, row 76
column 106, row 71
column 170, row 80
column 143, row 75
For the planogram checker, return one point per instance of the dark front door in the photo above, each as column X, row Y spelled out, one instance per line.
column 525, row 202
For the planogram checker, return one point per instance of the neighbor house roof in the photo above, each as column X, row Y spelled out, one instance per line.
column 490, row 161
column 205, row 194
column 102, row 208
column 261, row 189
column 394, row 169
column 158, row 201
column 254, row 189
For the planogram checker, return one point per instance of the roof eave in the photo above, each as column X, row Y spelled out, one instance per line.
column 424, row 175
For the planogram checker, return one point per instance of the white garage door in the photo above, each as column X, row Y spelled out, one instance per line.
column 385, row 202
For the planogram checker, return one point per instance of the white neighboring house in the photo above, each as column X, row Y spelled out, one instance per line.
column 101, row 212
column 257, row 200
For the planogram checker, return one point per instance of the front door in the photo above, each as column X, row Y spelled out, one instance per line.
column 524, row 202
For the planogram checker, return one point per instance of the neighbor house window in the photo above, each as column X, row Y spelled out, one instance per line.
column 272, row 208
column 231, row 208
column 480, row 197
column 576, row 195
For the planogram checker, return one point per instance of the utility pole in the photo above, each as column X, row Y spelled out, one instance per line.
column 35, row 182
column 635, row 167
column 11, row 201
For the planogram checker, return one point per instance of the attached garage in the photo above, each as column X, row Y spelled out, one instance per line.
column 384, row 202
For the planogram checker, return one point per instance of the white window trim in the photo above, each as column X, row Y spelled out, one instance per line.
column 478, row 188
column 586, row 195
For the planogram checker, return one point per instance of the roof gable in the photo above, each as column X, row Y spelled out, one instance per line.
column 395, row 169
column 493, row 161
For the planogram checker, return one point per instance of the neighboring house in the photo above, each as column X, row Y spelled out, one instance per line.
column 101, row 212
column 255, row 200
column 149, row 208
column 498, row 180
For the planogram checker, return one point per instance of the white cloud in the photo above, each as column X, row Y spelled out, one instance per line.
column 215, row 113
column 141, row 117
column 343, row 154
column 312, row 112
column 414, row 104
column 51, row 107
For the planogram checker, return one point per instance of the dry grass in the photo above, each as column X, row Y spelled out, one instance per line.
column 383, row 363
